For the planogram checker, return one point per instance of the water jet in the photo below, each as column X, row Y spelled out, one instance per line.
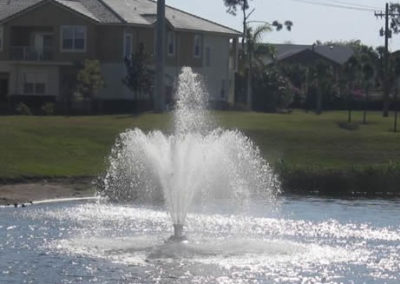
column 197, row 162
column 178, row 235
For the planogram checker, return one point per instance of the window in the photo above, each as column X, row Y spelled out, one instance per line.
column 73, row 38
column 197, row 46
column 208, row 56
column 171, row 43
column 1, row 38
column 35, row 83
column 128, row 45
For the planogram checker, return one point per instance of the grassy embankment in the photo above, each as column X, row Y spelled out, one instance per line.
column 309, row 152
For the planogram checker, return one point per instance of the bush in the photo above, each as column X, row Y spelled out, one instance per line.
column 272, row 91
column 48, row 108
column 23, row 109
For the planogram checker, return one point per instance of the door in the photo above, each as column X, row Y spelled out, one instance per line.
column 43, row 44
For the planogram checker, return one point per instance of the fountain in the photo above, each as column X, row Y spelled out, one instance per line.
column 197, row 162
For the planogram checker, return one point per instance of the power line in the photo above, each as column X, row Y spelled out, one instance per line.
column 340, row 6
column 354, row 4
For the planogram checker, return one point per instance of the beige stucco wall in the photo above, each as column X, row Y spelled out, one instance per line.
column 106, row 44
column 216, row 76
column 18, row 72
column 54, row 16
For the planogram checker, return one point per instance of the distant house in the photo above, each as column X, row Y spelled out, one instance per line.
column 41, row 42
column 335, row 55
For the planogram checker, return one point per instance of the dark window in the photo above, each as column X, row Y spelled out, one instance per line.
column 40, row 88
column 73, row 38
column 28, row 88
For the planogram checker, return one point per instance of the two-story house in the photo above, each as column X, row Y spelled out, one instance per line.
column 41, row 42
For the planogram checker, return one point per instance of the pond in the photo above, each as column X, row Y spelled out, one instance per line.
column 303, row 239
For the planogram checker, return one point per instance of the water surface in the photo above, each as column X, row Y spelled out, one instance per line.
column 305, row 239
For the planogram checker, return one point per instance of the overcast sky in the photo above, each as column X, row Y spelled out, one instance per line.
column 313, row 19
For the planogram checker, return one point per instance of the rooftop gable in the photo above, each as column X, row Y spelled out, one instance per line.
column 335, row 53
column 133, row 12
column 91, row 9
column 143, row 12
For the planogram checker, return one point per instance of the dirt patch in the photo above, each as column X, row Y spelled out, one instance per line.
column 25, row 192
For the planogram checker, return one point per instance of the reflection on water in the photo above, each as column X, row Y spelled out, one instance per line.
column 307, row 239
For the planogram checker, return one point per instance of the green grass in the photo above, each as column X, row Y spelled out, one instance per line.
column 78, row 146
column 307, row 140
column 62, row 146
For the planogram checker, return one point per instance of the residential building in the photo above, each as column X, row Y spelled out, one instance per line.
column 336, row 55
column 43, row 41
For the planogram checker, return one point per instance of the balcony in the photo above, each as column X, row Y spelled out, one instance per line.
column 30, row 53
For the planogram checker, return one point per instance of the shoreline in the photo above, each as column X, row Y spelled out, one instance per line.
column 25, row 191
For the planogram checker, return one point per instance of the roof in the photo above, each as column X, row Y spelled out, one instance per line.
column 131, row 12
column 335, row 53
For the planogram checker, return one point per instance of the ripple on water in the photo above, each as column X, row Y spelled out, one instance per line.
column 102, row 242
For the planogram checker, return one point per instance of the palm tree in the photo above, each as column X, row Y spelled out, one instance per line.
column 253, row 37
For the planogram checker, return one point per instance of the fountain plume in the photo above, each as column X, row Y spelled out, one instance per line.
column 197, row 162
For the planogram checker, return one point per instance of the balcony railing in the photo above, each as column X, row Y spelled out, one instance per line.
column 29, row 53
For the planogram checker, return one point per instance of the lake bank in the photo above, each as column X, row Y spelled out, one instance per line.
column 318, row 154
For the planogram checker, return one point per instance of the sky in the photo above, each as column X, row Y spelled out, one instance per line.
column 313, row 19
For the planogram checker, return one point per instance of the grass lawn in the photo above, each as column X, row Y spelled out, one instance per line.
column 78, row 146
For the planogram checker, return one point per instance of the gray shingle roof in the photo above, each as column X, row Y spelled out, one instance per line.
column 78, row 7
column 142, row 12
column 135, row 12
column 9, row 8
column 336, row 53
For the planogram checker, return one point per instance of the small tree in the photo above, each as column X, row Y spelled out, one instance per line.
column 322, row 77
column 368, row 75
column 396, row 73
column 248, row 34
column 89, row 80
column 351, row 73
column 273, row 90
column 139, row 77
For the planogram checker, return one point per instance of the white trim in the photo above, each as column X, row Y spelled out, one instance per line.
column 35, row 79
column 125, row 53
column 200, row 40
column 1, row 37
column 62, row 49
column 169, row 41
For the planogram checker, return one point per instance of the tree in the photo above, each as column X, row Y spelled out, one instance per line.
column 395, row 64
column 272, row 90
column 297, row 75
column 139, row 77
column 351, row 72
column 253, row 38
column 321, row 78
column 89, row 81
column 245, row 55
column 367, row 76
column 232, row 7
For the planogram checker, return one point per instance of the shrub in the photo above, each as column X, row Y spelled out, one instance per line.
column 272, row 91
column 23, row 109
column 48, row 108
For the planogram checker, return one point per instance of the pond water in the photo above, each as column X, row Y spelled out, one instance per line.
column 304, row 240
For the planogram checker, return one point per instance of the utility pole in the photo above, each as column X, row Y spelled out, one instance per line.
column 159, row 95
column 387, row 33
